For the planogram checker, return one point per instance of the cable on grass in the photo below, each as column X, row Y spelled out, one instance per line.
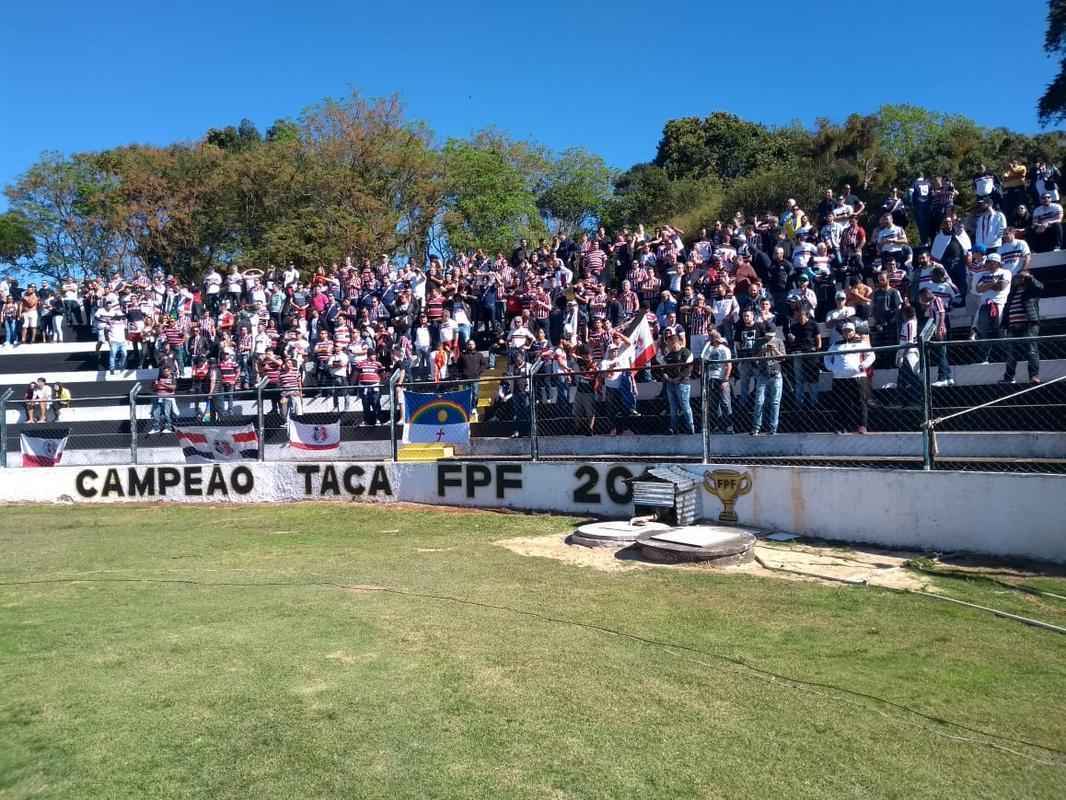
column 665, row 646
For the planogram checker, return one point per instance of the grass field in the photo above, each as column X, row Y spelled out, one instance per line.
column 320, row 651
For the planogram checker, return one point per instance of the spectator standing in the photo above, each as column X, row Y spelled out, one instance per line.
column 29, row 314
column 163, row 405
column 931, row 307
column 1021, row 318
column 718, row 369
column 10, row 313
column 850, row 382
column 885, row 307
column 116, row 337
column 768, row 385
column 989, row 225
column 992, row 288
column 950, row 248
column 676, row 371
column 804, row 337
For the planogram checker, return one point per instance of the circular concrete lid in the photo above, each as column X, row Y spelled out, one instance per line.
column 614, row 532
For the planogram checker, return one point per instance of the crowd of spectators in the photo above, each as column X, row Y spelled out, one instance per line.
column 840, row 277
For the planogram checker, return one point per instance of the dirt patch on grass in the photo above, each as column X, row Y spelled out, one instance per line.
column 831, row 566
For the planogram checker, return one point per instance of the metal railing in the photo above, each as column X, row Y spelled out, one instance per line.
column 921, row 394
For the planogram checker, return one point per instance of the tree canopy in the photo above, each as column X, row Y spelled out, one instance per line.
column 353, row 176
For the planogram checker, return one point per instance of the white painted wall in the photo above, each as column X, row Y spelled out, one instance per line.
column 1014, row 515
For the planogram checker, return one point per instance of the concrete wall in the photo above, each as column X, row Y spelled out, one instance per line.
column 995, row 514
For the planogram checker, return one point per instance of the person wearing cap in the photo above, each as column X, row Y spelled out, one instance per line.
column 803, row 293
column 992, row 287
column 718, row 369
column 1047, row 225
column 851, row 385
column 988, row 226
column 769, row 383
column 840, row 313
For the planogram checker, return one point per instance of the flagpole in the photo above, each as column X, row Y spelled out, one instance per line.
column 134, row 391
column 3, row 426
column 395, row 446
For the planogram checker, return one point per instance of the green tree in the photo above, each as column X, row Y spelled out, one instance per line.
column 645, row 194
column 575, row 191
column 64, row 204
column 722, row 146
column 1052, row 104
column 488, row 194
column 16, row 238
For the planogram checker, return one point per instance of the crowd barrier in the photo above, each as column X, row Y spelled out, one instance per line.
column 931, row 405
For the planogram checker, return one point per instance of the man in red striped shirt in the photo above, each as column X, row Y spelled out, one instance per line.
column 291, row 381
column 629, row 299
column 163, row 412
column 368, row 379
column 228, row 370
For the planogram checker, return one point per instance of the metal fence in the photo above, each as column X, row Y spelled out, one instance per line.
column 789, row 409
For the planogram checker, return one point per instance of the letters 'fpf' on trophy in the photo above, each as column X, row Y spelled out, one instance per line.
column 727, row 485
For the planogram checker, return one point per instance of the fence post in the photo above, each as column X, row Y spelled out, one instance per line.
column 3, row 426
column 534, row 445
column 260, row 428
column 133, row 421
column 394, row 444
column 705, row 412
column 923, row 365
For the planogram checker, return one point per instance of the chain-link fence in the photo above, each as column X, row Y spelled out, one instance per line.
column 1001, row 391
column 98, row 429
column 934, row 404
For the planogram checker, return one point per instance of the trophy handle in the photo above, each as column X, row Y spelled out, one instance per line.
column 711, row 485
column 744, row 485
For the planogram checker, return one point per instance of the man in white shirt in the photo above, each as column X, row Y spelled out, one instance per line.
column 850, row 384
column 1047, row 225
column 116, row 335
column 212, row 287
column 992, row 288
column 1014, row 252
column 891, row 238
column 989, row 225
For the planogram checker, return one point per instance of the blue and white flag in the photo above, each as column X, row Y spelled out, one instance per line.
column 437, row 418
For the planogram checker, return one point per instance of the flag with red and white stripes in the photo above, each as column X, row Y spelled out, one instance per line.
column 43, row 448
column 207, row 445
column 641, row 340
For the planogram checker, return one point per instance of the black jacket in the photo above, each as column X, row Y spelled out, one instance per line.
column 1030, row 292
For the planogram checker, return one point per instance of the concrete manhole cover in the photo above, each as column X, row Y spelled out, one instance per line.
column 616, row 533
column 715, row 543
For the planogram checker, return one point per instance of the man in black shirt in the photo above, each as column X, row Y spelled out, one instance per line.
column 676, row 371
column 778, row 279
column 803, row 337
column 746, row 336
column 472, row 364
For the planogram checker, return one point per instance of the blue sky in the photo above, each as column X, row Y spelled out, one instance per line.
column 89, row 75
